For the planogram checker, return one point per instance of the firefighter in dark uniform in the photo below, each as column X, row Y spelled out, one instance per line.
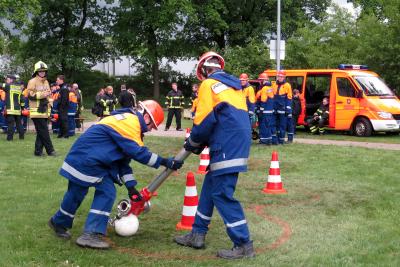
column 14, row 103
column 174, row 102
column 39, row 94
column 108, row 101
column 320, row 118
column 222, row 123
column 63, row 107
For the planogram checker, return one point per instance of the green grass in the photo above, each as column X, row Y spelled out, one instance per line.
column 342, row 209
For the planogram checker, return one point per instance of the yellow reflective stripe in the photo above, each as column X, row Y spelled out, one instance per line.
column 126, row 124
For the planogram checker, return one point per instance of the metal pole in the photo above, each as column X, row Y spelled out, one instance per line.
column 278, row 41
column 129, row 66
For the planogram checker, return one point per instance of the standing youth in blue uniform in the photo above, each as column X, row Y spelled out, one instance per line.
column 222, row 123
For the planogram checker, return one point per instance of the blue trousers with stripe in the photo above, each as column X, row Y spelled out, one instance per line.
column 266, row 128
column 218, row 191
column 96, row 222
column 71, row 125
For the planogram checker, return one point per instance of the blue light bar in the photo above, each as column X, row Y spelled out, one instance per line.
column 352, row 67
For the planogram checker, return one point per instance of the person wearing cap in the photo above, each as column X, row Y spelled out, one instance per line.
column 283, row 107
column 222, row 123
column 13, row 107
column 39, row 95
column 249, row 94
column 265, row 100
column 89, row 164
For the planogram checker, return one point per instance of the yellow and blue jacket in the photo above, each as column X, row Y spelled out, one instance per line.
column 250, row 96
column 265, row 97
column 283, row 97
column 222, row 123
column 106, row 149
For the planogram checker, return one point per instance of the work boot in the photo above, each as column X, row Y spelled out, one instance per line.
column 53, row 154
column 193, row 240
column 60, row 231
column 92, row 240
column 243, row 251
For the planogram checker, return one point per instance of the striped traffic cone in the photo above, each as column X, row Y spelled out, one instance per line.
column 190, row 203
column 274, row 184
column 204, row 161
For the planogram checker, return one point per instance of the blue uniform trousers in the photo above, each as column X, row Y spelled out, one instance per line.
column 71, row 125
column 290, row 127
column 99, row 213
column 218, row 191
column 280, row 122
column 266, row 128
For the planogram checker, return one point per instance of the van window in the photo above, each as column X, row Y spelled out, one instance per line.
column 317, row 86
column 373, row 86
column 296, row 82
column 345, row 88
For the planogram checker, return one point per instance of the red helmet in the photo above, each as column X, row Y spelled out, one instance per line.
column 244, row 77
column 154, row 110
column 203, row 61
column 281, row 73
column 263, row 76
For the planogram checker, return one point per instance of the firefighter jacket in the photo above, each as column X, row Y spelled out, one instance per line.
column 283, row 97
column 55, row 95
column 72, row 104
column 106, row 149
column 38, row 95
column 222, row 123
column 265, row 97
column 322, row 113
column 250, row 96
column 108, row 103
column 174, row 99
column 13, row 99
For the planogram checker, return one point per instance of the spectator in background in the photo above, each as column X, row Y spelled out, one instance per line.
column 133, row 93
column 97, row 108
column 79, row 110
column 292, row 120
column 125, row 98
column 55, row 95
column 72, row 109
column 108, row 101
column 63, row 100
column 174, row 102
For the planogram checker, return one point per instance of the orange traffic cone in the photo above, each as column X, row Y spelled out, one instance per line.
column 204, row 161
column 190, row 203
column 187, row 133
column 274, row 184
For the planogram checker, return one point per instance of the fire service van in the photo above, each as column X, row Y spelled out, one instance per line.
column 359, row 100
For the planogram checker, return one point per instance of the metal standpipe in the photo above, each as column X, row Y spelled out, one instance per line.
column 157, row 181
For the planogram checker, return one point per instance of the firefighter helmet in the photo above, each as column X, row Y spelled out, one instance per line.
column 25, row 112
column 281, row 73
column 263, row 76
column 243, row 77
column 127, row 225
column 204, row 61
column 154, row 110
column 40, row 66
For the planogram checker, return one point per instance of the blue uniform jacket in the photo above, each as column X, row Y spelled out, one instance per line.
column 106, row 149
column 221, row 122
column 283, row 97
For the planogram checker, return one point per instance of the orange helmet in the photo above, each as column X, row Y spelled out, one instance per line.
column 154, row 110
column 203, row 61
column 263, row 76
column 243, row 77
column 281, row 73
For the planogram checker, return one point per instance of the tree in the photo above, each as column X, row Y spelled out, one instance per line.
column 68, row 35
column 149, row 31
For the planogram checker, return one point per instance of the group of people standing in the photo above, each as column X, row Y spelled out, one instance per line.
column 106, row 101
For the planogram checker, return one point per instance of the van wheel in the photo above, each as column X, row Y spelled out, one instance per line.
column 362, row 127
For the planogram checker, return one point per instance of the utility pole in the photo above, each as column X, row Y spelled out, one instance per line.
column 278, row 41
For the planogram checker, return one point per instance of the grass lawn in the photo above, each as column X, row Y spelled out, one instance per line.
column 342, row 209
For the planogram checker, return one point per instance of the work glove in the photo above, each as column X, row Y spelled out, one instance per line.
column 171, row 163
column 134, row 194
column 194, row 149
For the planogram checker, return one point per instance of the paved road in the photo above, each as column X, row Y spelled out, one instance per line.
column 385, row 146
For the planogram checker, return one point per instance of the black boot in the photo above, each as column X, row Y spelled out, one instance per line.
column 193, row 240
column 92, row 240
column 243, row 251
column 60, row 231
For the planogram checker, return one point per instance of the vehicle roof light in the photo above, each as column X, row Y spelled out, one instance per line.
column 352, row 67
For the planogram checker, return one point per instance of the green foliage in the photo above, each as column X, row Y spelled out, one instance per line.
column 15, row 15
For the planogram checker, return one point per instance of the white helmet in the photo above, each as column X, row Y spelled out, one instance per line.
column 127, row 225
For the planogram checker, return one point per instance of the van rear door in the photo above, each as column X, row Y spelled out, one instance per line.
column 347, row 105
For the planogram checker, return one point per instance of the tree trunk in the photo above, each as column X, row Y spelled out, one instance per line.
column 156, row 80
